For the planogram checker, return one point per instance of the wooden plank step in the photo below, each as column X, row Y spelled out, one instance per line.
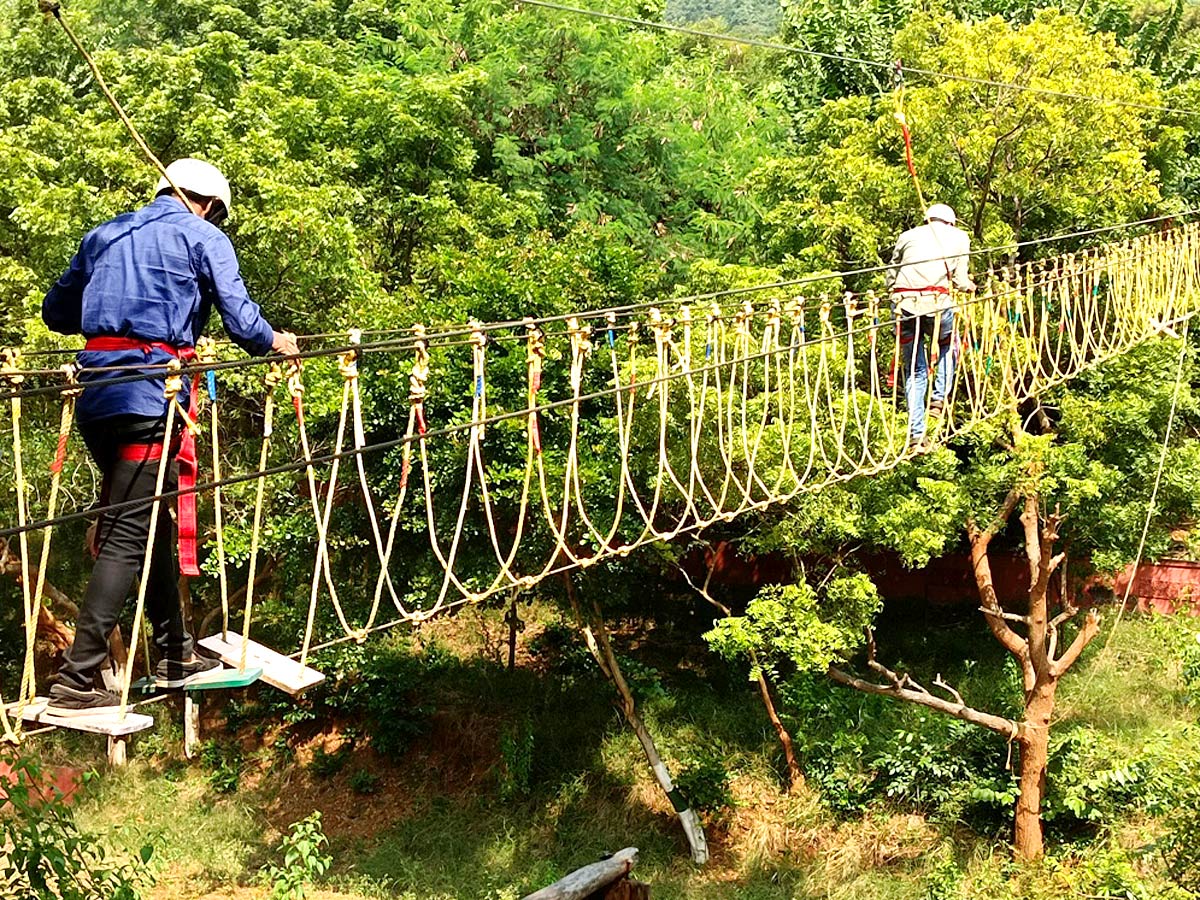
column 277, row 670
column 223, row 679
column 110, row 724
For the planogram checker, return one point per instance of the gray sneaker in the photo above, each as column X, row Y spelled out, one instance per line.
column 171, row 673
column 70, row 703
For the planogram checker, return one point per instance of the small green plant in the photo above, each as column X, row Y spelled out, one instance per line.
column 363, row 781
column 516, row 754
column 304, row 860
column 224, row 764
column 326, row 765
column 47, row 855
column 704, row 781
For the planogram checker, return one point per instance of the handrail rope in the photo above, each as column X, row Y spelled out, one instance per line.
column 407, row 343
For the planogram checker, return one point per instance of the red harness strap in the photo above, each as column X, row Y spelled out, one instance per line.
column 932, row 289
column 185, row 452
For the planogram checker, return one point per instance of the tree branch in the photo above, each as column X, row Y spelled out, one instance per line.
column 1091, row 628
column 998, row 724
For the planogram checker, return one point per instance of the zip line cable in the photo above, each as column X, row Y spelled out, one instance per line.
column 836, row 57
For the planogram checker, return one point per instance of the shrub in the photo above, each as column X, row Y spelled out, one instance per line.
column 516, row 755
column 224, row 764
column 47, row 855
column 363, row 781
column 304, row 860
column 704, row 782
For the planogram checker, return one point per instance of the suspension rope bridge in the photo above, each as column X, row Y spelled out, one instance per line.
column 633, row 426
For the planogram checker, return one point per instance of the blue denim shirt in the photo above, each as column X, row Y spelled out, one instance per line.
column 153, row 274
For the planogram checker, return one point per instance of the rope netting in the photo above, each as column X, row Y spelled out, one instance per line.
column 633, row 426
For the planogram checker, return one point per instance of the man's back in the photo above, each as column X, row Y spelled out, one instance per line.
column 151, row 275
column 933, row 255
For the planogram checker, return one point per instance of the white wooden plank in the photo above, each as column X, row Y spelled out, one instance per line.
column 110, row 724
column 278, row 670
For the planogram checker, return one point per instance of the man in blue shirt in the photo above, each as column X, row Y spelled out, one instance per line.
column 141, row 289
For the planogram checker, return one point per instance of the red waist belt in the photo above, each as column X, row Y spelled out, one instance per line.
column 184, row 449
column 923, row 290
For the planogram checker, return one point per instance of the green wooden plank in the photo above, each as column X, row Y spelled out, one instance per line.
column 224, row 679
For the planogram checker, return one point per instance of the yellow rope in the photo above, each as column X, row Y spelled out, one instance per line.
column 273, row 378
column 174, row 384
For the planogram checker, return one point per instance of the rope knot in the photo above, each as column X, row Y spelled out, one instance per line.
column 71, row 374
column 348, row 362
column 420, row 368
column 174, row 383
column 10, row 364
column 478, row 336
column 274, row 376
column 206, row 350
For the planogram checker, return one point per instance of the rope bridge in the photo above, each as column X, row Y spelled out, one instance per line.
column 634, row 426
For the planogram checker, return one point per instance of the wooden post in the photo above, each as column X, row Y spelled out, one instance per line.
column 191, row 723
column 118, row 751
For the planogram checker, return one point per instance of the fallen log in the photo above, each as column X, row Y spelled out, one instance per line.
column 593, row 880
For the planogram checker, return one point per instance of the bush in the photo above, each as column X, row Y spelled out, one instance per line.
column 363, row 781
column 516, row 755
column 224, row 764
column 303, row 860
column 704, row 782
column 47, row 855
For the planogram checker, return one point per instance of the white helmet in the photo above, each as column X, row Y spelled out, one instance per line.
column 942, row 212
column 199, row 177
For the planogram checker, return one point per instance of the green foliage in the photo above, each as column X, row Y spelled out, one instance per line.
column 45, row 852
column 223, row 760
column 325, row 764
column 1191, row 668
column 796, row 625
column 304, row 860
column 516, row 758
column 364, row 781
column 703, row 779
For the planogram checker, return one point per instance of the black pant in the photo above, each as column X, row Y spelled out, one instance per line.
column 121, row 544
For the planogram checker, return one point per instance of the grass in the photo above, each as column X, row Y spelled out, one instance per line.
column 436, row 827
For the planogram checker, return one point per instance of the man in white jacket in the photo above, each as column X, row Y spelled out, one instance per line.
column 928, row 263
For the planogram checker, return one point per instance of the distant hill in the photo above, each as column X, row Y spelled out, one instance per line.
column 756, row 17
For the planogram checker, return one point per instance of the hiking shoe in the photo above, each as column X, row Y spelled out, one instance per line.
column 71, row 703
column 935, row 409
column 171, row 673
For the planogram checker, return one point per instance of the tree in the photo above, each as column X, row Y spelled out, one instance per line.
column 1014, row 164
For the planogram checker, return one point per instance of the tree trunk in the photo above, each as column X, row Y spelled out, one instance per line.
column 1034, row 743
column 601, row 648
column 795, row 776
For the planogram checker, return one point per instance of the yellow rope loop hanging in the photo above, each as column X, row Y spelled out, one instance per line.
column 272, row 379
column 661, row 331
column 685, row 325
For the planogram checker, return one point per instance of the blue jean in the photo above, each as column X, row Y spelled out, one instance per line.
column 916, row 334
